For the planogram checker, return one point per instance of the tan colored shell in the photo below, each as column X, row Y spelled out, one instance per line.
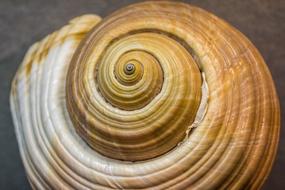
column 158, row 95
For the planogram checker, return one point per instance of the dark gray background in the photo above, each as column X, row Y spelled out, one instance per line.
column 23, row 22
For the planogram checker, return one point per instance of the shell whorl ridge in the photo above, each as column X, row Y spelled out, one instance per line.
column 158, row 95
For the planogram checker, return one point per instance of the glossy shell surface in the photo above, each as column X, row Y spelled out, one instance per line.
column 158, row 95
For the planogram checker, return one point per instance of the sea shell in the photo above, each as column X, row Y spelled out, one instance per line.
column 158, row 95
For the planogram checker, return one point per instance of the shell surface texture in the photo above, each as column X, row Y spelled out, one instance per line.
column 158, row 95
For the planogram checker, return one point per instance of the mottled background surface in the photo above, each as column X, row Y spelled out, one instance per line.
column 22, row 22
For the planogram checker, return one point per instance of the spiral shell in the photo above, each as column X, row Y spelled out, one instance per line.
column 158, row 95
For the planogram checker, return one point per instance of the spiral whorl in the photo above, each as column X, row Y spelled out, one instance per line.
column 139, row 115
column 158, row 95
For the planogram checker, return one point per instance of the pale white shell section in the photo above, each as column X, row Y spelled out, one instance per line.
column 55, row 157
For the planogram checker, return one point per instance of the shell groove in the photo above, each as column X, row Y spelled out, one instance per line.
column 147, row 98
